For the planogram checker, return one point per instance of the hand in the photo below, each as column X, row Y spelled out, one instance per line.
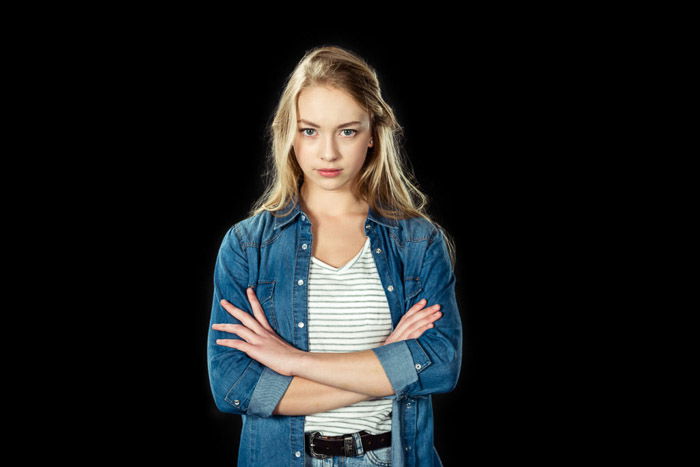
column 258, row 340
column 414, row 322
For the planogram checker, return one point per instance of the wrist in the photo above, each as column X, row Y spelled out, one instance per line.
column 300, row 363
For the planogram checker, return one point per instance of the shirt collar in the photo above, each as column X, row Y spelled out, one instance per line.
column 290, row 215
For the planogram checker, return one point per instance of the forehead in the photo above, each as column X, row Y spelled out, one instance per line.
column 328, row 106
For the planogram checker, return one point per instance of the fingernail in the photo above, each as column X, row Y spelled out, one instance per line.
column 424, row 301
column 218, row 341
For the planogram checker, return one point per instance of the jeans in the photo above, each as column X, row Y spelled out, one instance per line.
column 378, row 457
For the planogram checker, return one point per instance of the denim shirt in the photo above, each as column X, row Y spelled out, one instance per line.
column 272, row 254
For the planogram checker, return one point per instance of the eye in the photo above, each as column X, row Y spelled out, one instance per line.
column 305, row 129
column 352, row 134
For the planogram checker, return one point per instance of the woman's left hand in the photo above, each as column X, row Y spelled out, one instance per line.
column 258, row 340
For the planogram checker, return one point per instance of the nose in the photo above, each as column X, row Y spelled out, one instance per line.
column 328, row 150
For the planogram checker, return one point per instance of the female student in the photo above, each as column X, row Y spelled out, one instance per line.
column 334, row 317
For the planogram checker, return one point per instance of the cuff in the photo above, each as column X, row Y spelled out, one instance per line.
column 268, row 392
column 398, row 364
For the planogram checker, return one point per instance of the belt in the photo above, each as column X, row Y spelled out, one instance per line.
column 320, row 446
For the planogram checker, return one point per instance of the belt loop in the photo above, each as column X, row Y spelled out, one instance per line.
column 359, row 449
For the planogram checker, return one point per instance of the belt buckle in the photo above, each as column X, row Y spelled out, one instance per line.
column 311, row 446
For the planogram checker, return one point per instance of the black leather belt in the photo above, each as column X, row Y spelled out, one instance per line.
column 320, row 446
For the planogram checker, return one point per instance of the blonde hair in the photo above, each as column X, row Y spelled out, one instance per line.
column 386, row 182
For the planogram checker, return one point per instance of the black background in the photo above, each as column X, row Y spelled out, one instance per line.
column 495, row 131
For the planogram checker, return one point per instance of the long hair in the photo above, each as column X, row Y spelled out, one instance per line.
column 386, row 181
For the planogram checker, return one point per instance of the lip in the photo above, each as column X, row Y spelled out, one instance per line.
column 329, row 172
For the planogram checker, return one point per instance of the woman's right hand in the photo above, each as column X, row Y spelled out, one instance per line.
column 414, row 322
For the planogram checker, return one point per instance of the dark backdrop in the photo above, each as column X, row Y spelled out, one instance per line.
column 488, row 126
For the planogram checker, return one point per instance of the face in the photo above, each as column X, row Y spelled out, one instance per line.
column 333, row 132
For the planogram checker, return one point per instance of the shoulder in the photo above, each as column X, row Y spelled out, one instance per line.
column 418, row 229
column 252, row 230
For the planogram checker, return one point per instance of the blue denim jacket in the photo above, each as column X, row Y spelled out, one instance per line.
column 272, row 254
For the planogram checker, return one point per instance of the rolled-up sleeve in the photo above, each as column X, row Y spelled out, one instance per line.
column 239, row 384
column 431, row 363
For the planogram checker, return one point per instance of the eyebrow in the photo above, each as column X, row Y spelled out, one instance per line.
column 306, row 122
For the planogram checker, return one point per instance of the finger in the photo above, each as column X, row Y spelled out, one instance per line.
column 420, row 323
column 426, row 313
column 419, row 332
column 406, row 318
column 243, row 316
column 237, row 329
column 258, row 311
column 408, row 322
column 234, row 344
column 416, row 307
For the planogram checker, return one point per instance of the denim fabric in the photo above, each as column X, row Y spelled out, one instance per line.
column 272, row 254
column 377, row 457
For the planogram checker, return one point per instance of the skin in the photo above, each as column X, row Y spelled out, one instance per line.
column 260, row 342
column 337, row 216
column 331, row 146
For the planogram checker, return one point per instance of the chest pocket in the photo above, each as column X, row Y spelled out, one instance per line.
column 412, row 287
column 265, row 291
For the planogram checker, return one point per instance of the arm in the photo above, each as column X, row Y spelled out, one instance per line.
column 362, row 372
column 239, row 384
column 354, row 371
column 304, row 397
column 430, row 363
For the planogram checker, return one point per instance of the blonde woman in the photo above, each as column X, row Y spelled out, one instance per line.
column 334, row 317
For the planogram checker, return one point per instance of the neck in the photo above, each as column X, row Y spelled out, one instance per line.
column 331, row 203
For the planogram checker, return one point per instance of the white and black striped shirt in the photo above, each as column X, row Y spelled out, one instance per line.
column 348, row 312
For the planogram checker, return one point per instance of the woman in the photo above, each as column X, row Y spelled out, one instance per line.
column 334, row 315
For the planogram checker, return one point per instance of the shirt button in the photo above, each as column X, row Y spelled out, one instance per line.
column 304, row 246
column 367, row 226
column 418, row 366
column 300, row 282
column 301, row 324
column 298, row 453
column 303, row 217
column 236, row 402
column 408, row 405
column 390, row 288
column 378, row 250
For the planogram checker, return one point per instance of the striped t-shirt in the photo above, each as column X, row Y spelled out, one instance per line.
column 348, row 312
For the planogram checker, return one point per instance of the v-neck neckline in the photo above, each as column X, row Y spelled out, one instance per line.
column 347, row 265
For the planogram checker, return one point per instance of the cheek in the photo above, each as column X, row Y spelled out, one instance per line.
column 300, row 153
column 358, row 158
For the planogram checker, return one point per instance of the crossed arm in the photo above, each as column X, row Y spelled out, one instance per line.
column 321, row 381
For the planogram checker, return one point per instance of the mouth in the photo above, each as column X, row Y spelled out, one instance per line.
column 329, row 172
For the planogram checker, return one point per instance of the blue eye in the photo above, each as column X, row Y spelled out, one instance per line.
column 303, row 130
